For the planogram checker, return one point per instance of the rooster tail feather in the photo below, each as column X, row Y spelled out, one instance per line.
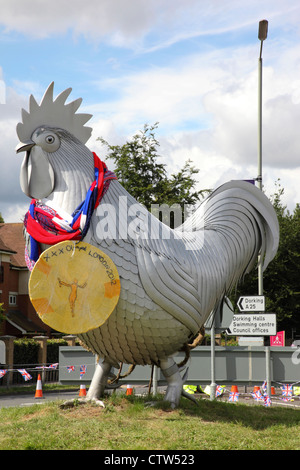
column 240, row 207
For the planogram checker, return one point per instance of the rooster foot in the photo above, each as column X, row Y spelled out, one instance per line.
column 82, row 401
column 174, row 390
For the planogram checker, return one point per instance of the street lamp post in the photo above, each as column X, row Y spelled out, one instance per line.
column 262, row 35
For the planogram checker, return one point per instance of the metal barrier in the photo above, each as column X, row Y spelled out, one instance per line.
column 238, row 365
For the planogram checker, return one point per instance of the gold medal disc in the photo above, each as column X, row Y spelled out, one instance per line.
column 74, row 287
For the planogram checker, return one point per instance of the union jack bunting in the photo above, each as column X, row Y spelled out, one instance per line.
column 286, row 398
column 70, row 368
column 26, row 376
column 219, row 390
column 53, row 366
column 267, row 401
column 2, row 373
column 287, row 390
column 264, row 386
column 257, row 395
column 82, row 371
column 233, row 396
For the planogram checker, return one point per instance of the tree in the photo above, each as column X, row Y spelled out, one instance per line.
column 281, row 278
column 146, row 179
column 1, row 219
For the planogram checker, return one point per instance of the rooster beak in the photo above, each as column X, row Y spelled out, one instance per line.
column 36, row 176
column 24, row 146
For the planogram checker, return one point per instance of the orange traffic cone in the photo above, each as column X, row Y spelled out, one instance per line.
column 272, row 390
column 234, row 388
column 39, row 392
column 129, row 390
column 82, row 391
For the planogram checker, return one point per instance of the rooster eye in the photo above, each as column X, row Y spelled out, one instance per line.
column 50, row 139
column 46, row 139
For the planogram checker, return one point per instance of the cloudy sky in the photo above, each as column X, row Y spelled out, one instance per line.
column 191, row 65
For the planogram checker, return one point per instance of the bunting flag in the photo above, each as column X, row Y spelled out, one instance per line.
column 286, row 398
column 257, row 395
column 70, row 369
column 2, row 373
column 287, row 390
column 53, row 366
column 45, row 225
column 220, row 390
column 82, row 371
column 26, row 376
column 267, row 400
column 233, row 396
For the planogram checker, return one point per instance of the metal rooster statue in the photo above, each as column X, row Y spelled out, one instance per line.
column 169, row 280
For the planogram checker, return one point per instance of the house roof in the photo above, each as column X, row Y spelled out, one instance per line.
column 25, row 325
column 12, row 241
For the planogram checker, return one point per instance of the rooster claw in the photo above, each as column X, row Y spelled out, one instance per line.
column 81, row 401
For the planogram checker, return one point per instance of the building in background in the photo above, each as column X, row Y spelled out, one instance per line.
column 20, row 318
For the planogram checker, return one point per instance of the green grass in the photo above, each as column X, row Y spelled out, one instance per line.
column 126, row 423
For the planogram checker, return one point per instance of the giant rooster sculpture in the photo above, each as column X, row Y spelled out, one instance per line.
column 171, row 280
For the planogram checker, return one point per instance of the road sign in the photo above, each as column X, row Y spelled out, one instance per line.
column 251, row 303
column 278, row 339
column 262, row 324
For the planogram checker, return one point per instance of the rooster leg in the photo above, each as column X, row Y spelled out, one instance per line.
column 99, row 381
column 96, row 389
column 175, row 382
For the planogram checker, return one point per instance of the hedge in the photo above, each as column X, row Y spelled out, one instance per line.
column 26, row 350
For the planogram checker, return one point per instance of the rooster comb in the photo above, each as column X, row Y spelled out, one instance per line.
column 54, row 113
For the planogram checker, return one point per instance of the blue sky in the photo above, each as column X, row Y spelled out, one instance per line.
column 190, row 65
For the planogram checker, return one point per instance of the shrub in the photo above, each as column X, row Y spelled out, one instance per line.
column 25, row 351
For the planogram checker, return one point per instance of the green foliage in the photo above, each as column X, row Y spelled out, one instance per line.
column 26, row 351
column 1, row 219
column 139, row 172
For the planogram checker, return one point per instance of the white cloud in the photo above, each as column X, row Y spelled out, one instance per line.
column 206, row 102
column 129, row 24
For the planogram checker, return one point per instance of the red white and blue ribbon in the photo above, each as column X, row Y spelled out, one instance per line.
column 45, row 225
